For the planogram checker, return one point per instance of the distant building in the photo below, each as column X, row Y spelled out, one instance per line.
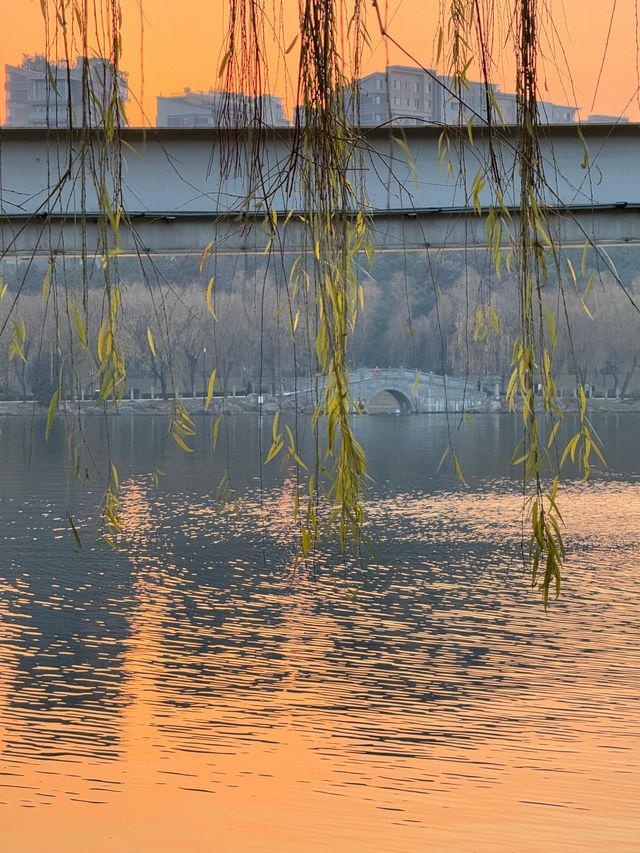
column 471, row 102
column 556, row 113
column 400, row 95
column 405, row 95
column 219, row 109
column 599, row 118
column 40, row 93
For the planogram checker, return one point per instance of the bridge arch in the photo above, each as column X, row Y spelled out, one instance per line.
column 405, row 403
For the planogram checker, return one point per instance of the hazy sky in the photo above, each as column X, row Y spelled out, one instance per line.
column 182, row 47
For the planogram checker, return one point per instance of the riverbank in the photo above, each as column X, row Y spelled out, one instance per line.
column 193, row 405
column 270, row 405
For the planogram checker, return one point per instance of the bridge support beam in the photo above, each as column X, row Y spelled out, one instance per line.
column 392, row 231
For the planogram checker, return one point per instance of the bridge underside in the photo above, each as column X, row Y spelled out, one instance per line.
column 175, row 233
column 388, row 401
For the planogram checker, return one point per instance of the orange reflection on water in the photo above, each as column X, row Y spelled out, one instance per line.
column 257, row 716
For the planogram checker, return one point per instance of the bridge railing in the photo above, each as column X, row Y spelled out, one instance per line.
column 401, row 375
column 411, row 381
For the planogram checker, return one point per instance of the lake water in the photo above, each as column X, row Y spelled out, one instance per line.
column 191, row 693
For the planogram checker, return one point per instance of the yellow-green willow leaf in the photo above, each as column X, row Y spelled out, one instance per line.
column 508, row 260
column 289, row 435
column 411, row 166
column 51, row 412
column 458, row 469
column 582, row 398
column 297, row 459
column 208, row 249
column 470, row 129
column 46, row 283
column 79, row 323
column 551, row 324
column 305, row 538
column 443, row 457
column 570, row 449
column 209, row 297
column 589, row 287
column 585, row 308
column 18, row 341
column 105, row 343
column 131, row 148
column 552, row 434
column 181, row 442
column 477, row 186
column 596, row 449
column 210, row 388
column 152, row 344
column 224, row 63
column 440, row 44
column 275, row 449
column 497, row 253
column 216, row 430
column 583, row 258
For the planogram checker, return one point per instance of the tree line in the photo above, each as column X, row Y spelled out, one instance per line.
column 251, row 334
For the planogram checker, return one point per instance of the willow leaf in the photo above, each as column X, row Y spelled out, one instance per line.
column 210, row 388
column 152, row 344
column 53, row 404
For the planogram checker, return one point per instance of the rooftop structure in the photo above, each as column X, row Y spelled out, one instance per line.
column 599, row 118
column 40, row 93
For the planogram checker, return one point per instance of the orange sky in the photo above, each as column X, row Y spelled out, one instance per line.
column 182, row 47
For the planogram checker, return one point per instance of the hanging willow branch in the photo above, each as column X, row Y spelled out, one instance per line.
column 325, row 179
column 323, row 183
column 534, row 349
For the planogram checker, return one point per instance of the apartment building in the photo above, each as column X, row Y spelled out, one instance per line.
column 40, row 93
column 400, row 95
column 219, row 109
column 404, row 95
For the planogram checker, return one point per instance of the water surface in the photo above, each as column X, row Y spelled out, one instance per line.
column 192, row 692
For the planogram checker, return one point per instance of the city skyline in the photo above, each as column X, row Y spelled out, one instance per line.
column 40, row 93
column 171, row 45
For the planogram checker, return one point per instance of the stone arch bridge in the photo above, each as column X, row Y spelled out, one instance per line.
column 412, row 391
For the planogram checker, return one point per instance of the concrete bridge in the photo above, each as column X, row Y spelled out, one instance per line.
column 412, row 391
column 180, row 194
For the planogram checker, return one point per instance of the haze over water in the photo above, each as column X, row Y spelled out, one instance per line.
column 191, row 693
